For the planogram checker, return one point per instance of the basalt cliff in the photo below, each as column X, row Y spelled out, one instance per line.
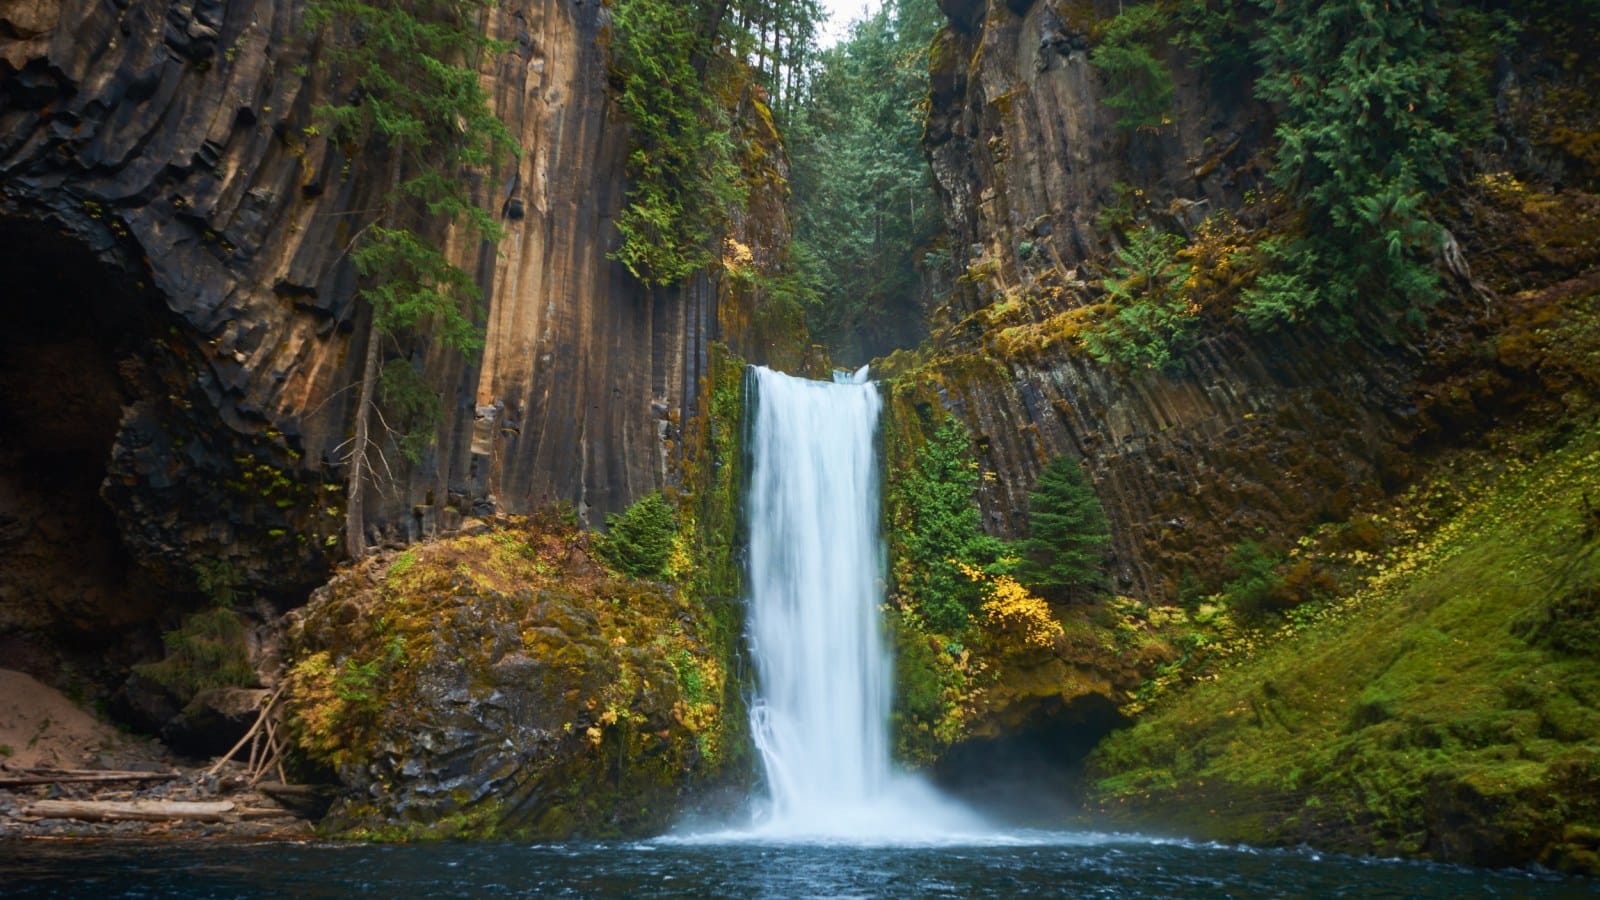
column 183, row 335
column 1247, row 434
column 1366, row 472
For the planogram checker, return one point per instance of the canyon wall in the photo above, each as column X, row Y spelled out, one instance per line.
column 180, row 386
column 1250, row 436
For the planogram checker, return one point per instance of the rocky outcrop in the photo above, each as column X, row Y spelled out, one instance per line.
column 1251, row 436
column 500, row 684
column 175, row 231
column 1025, row 152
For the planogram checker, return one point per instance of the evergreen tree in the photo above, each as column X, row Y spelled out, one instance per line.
column 1365, row 134
column 865, row 207
column 940, row 528
column 1140, row 87
column 638, row 541
column 412, row 70
column 1067, row 533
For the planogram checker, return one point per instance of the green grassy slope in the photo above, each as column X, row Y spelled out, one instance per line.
column 1449, row 707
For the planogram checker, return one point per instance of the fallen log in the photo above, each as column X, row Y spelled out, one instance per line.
column 80, row 776
column 130, row 810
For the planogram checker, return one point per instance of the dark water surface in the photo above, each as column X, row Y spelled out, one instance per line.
column 1027, row 865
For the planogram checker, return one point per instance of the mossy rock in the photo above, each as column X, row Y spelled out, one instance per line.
column 504, row 686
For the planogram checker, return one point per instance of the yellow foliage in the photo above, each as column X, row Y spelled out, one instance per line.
column 1013, row 611
column 321, row 721
column 736, row 257
column 1223, row 262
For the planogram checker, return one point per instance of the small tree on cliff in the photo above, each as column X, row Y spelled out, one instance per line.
column 1067, row 531
column 415, row 93
column 938, row 523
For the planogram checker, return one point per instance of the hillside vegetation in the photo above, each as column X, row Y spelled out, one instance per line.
column 1449, row 706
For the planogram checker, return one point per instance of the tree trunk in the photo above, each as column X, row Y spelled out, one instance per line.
column 355, row 519
column 355, row 509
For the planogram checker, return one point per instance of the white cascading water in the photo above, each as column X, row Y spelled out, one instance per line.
column 821, row 714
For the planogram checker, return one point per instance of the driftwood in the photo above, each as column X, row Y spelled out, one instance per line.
column 27, row 777
column 261, row 759
column 130, row 810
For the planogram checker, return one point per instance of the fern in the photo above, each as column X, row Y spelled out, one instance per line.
column 1154, row 320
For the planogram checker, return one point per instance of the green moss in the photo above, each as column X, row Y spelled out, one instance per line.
column 1395, row 719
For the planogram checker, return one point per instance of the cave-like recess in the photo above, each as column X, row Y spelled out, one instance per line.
column 74, row 608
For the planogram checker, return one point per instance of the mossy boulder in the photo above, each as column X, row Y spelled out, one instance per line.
column 503, row 685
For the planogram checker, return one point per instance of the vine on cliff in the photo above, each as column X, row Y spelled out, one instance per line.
column 682, row 177
column 677, row 69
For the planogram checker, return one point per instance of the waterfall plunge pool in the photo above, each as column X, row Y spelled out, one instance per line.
column 1034, row 864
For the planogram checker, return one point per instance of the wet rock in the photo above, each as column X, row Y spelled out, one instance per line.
column 144, row 704
column 308, row 801
column 964, row 14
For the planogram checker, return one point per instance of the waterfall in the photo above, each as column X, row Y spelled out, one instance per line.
column 820, row 717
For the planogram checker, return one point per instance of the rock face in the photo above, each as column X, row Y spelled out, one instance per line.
column 174, row 240
column 1251, row 436
column 498, row 684
column 1024, row 149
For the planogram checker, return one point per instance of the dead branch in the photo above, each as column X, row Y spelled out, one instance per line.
column 266, row 711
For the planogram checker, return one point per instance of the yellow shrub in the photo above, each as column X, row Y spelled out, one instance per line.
column 1014, row 612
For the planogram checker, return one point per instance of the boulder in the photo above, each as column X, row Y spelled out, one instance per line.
column 475, row 688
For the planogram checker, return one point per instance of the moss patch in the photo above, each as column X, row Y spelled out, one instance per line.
column 1429, row 713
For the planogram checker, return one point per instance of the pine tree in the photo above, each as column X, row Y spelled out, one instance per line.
column 1067, row 531
column 1139, row 84
column 639, row 540
column 416, row 95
